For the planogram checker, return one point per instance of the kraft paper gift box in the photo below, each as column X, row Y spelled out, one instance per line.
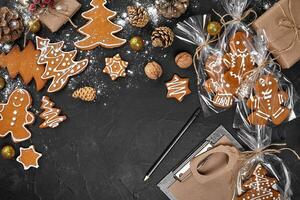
column 55, row 18
column 281, row 24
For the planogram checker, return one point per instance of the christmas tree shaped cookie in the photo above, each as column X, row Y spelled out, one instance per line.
column 50, row 114
column 99, row 31
column 260, row 186
column 60, row 65
column 25, row 64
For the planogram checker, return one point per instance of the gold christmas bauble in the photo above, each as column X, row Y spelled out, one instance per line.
column 8, row 152
column 34, row 25
column 2, row 83
column 136, row 43
column 214, row 28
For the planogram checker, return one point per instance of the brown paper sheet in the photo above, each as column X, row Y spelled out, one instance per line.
column 54, row 20
column 281, row 37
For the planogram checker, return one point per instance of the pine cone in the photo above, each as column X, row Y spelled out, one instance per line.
column 162, row 37
column 171, row 8
column 85, row 94
column 11, row 25
column 138, row 16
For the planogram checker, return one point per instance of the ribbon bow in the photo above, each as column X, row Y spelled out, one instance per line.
column 197, row 54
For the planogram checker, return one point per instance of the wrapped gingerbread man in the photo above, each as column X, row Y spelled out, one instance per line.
column 14, row 115
column 238, row 62
column 268, row 102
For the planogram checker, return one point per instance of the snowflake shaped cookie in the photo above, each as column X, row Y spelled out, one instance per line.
column 115, row 67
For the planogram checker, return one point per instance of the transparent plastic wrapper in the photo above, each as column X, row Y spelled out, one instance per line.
column 263, row 174
column 236, row 59
column 207, row 60
column 267, row 97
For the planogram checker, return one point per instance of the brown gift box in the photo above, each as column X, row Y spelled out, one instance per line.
column 282, row 26
column 195, row 184
column 55, row 19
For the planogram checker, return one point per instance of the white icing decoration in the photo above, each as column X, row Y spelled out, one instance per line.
column 77, row 66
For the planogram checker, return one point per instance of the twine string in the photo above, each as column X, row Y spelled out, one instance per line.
column 289, row 23
column 268, row 150
column 198, row 52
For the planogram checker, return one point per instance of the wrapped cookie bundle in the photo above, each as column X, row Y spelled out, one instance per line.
column 206, row 59
column 222, row 68
column 267, row 97
column 263, row 175
column 236, row 59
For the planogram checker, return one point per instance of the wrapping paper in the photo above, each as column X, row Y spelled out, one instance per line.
column 55, row 19
column 282, row 26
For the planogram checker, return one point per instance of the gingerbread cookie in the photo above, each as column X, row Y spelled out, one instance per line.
column 50, row 114
column 25, row 64
column 115, row 67
column 60, row 65
column 14, row 116
column 238, row 62
column 260, row 186
column 178, row 88
column 215, row 71
column 99, row 31
column 29, row 157
column 268, row 102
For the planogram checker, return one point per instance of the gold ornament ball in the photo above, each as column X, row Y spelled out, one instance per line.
column 8, row 152
column 2, row 83
column 213, row 28
column 136, row 43
column 34, row 26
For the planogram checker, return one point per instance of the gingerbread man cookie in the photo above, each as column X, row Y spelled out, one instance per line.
column 14, row 116
column 238, row 62
column 268, row 102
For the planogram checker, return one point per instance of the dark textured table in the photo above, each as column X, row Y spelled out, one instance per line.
column 105, row 148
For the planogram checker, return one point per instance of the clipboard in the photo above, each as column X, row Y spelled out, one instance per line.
column 219, row 136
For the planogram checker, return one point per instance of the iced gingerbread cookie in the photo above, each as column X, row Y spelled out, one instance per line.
column 115, row 67
column 178, row 88
column 268, row 102
column 99, row 31
column 238, row 62
column 14, row 116
column 260, row 186
column 29, row 157
column 60, row 65
column 50, row 115
column 215, row 71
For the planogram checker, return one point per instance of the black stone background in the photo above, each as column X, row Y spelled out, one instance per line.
column 105, row 148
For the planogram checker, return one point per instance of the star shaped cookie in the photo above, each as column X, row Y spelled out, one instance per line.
column 115, row 67
column 178, row 88
column 29, row 157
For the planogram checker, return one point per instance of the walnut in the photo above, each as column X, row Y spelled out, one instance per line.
column 153, row 70
column 184, row 60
